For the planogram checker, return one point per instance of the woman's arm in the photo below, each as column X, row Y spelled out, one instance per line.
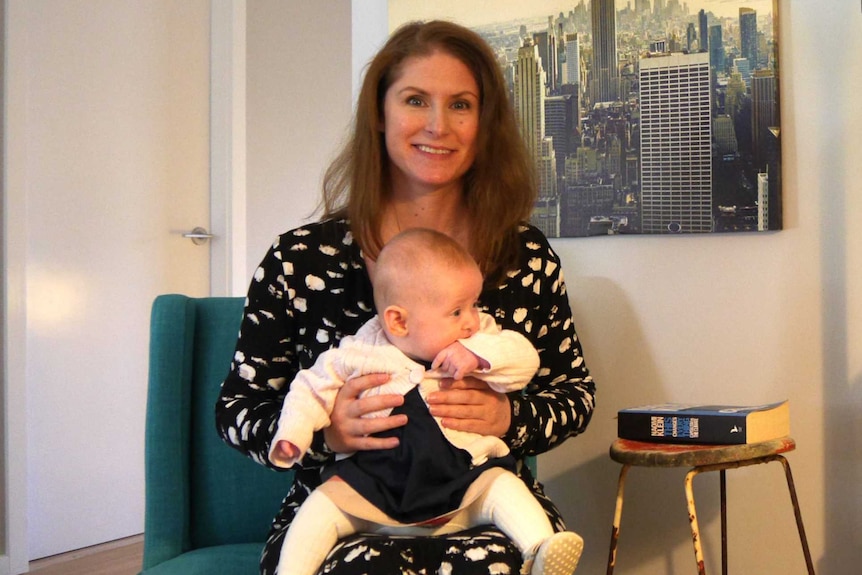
column 262, row 367
column 559, row 402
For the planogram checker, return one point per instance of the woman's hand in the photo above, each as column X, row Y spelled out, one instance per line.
column 348, row 431
column 470, row 405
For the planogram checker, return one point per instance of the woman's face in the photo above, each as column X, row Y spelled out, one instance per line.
column 430, row 122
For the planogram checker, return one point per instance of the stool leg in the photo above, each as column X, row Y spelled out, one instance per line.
column 723, row 490
column 798, row 513
column 618, row 514
column 692, row 518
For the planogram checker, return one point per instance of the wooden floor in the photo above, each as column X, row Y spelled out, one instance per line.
column 116, row 558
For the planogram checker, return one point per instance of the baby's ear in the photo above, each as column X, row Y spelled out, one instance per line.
column 395, row 320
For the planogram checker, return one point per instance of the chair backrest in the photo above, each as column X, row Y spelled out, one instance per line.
column 199, row 492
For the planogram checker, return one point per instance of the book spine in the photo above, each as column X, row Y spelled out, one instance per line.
column 678, row 428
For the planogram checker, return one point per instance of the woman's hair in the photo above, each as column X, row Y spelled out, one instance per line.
column 499, row 188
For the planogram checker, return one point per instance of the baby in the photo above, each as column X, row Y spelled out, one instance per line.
column 438, row 480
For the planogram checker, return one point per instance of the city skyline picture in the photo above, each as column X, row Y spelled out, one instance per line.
column 641, row 116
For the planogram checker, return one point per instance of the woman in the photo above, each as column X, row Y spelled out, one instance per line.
column 434, row 145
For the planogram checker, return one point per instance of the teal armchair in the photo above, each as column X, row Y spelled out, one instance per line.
column 208, row 508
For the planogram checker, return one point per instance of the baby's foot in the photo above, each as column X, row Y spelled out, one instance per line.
column 558, row 555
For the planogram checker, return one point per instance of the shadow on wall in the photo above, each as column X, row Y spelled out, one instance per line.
column 842, row 425
column 580, row 476
column 838, row 187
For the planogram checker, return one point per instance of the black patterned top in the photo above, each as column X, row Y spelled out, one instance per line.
column 312, row 288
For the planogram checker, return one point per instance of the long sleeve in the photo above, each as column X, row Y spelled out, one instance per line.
column 263, row 363
column 307, row 407
column 511, row 357
column 310, row 290
column 559, row 401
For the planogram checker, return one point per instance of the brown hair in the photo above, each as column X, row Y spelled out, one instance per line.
column 499, row 188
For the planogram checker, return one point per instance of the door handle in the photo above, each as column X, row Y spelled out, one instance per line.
column 199, row 236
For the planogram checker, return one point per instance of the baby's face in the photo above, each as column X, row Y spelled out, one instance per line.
column 447, row 312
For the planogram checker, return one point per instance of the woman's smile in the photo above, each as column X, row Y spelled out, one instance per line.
column 434, row 151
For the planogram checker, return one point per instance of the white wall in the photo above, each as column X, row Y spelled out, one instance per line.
column 299, row 106
column 747, row 318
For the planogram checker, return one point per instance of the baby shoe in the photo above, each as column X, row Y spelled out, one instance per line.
column 558, row 555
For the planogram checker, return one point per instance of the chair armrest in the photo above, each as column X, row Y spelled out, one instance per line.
column 168, row 428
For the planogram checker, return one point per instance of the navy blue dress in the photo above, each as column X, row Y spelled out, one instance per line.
column 424, row 477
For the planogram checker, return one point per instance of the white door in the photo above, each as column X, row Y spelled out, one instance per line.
column 115, row 140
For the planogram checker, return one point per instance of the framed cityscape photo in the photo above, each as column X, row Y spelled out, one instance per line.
column 653, row 116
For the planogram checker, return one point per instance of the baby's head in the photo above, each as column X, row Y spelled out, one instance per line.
column 426, row 289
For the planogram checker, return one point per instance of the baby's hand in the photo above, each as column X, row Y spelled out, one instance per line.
column 457, row 361
column 288, row 450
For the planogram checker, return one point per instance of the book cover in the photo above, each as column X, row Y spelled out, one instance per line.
column 691, row 423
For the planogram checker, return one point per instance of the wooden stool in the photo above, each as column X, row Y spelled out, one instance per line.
column 702, row 458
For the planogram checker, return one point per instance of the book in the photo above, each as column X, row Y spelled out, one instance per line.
column 711, row 424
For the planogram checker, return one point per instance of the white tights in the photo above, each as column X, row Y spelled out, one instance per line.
column 319, row 524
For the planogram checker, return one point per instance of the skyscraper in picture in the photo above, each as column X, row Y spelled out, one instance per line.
column 676, row 144
column 573, row 59
column 546, row 212
column 605, row 71
column 541, row 41
column 703, row 31
column 716, row 48
column 762, row 201
column 529, row 94
column 690, row 37
column 561, row 123
column 764, row 113
column 748, row 35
